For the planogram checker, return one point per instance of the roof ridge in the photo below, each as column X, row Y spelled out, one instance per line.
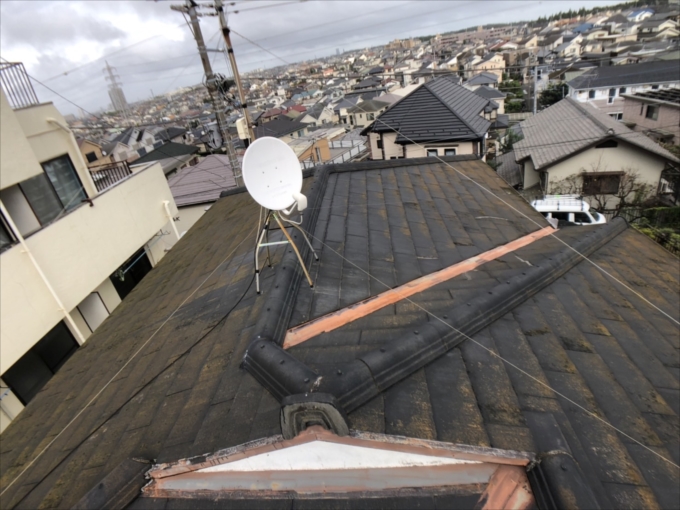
column 588, row 114
column 464, row 121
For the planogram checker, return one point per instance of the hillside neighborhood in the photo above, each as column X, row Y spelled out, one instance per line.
column 491, row 320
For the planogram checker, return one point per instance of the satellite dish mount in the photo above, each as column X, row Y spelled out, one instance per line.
column 273, row 177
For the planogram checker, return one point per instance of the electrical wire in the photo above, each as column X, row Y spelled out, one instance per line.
column 134, row 355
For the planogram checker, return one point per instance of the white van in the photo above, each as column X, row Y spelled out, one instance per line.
column 571, row 208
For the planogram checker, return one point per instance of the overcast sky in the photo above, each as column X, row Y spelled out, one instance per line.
column 65, row 44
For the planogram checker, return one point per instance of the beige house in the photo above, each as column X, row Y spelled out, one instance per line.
column 72, row 243
column 590, row 154
column 492, row 63
column 92, row 152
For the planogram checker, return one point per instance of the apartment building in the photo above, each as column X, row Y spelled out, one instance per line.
column 73, row 241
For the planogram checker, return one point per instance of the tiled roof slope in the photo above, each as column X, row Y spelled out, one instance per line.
column 437, row 111
column 582, row 334
column 203, row 182
column 632, row 74
column 568, row 127
column 168, row 150
column 489, row 93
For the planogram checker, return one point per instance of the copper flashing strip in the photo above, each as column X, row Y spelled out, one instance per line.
column 334, row 320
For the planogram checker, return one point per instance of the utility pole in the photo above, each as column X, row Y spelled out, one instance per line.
column 218, row 105
column 230, row 52
column 535, row 80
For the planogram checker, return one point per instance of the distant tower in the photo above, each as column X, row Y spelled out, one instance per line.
column 116, row 90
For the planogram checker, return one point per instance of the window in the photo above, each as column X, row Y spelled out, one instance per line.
column 652, row 112
column 581, row 217
column 449, row 152
column 91, row 157
column 431, row 153
column 370, row 116
column 622, row 90
column 560, row 216
column 655, row 87
column 594, row 184
column 65, row 181
column 6, row 237
column 32, row 371
column 379, row 143
column 616, row 116
column 591, row 94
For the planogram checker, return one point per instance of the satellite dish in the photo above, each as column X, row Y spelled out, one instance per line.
column 272, row 173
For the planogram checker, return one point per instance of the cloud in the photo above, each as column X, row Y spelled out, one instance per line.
column 67, row 43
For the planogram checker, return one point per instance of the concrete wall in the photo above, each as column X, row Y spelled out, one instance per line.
column 668, row 118
column 17, row 160
column 77, row 253
column 531, row 176
column 50, row 141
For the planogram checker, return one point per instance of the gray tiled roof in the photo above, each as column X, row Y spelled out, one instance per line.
column 489, row 93
column 632, row 74
column 569, row 126
column 203, row 182
column 438, row 110
column 185, row 394
column 482, row 78
column 508, row 168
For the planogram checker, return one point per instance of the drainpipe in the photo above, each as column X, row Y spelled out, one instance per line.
column 166, row 205
column 60, row 305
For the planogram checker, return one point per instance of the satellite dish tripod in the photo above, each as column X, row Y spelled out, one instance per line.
column 282, row 217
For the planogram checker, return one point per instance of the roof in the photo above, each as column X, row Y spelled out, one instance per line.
column 482, row 79
column 436, row 111
column 169, row 133
column 167, row 151
column 631, row 74
column 671, row 96
column 542, row 308
column 508, row 168
column 372, row 105
column 489, row 92
column 203, row 182
column 279, row 127
column 580, row 126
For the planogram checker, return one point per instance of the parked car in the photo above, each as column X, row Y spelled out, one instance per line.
column 569, row 208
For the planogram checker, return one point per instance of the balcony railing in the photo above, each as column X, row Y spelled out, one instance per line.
column 17, row 85
column 105, row 176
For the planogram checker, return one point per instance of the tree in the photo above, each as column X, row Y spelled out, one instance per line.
column 630, row 191
column 554, row 93
column 514, row 106
column 508, row 142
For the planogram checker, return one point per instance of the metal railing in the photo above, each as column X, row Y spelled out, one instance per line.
column 105, row 176
column 17, row 85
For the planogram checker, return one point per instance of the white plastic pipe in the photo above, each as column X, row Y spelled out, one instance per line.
column 166, row 204
column 60, row 305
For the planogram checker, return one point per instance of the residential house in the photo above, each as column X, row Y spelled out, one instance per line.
column 73, row 243
column 196, row 188
column 590, row 154
column 92, row 152
column 271, row 114
column 366, row 112
column 170, row 134
column 603, row 86
column 283, row 128
column 494, row 95
column 172, row 156
column 340, row 115
column 491, row 63
column 439, row 118
column 658, row 29
column 638, row 15
column 655, row 113
column 318, row 115
column 530, row 41
column 482, row 80
column 374, row 387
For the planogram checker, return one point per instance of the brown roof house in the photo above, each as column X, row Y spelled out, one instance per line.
column 454, row 352
column 573, row 147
